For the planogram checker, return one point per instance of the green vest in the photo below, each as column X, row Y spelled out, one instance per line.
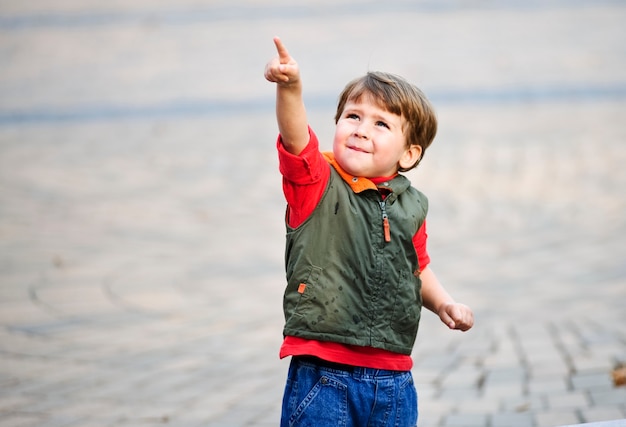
column 349, row 282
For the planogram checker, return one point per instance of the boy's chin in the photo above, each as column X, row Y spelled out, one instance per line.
column 351, row 168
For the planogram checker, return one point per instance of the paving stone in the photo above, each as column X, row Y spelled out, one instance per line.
column 602, row 413
column 556, row 418
column 532, row 403
column 615, row 396
column 465, row 420
column 14, row 403
column 432, row 411
column 481, row 405
column 502, row 391
column 546, row 370
column 502, row 358
column 587, row 362
column 20, row 420
column 462, row 376
column 613, row 423
column 459, row 393
column 517, row 374
column 571, row 400
column 512, row 419
column 588, row 381
column 547, row 386
column 426, row 391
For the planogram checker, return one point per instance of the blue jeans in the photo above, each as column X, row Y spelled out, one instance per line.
column 320, row 394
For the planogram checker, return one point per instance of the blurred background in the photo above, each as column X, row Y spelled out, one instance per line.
column 141, row 211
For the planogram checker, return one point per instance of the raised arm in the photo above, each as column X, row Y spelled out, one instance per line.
column 290, row 111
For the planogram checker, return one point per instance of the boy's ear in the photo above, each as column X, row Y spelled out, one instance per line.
column 410, row 157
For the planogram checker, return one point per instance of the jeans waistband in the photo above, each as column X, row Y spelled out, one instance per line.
column 325, row 363
column 348, row 369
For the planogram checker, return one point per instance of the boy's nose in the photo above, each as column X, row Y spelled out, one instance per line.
column 360, row 131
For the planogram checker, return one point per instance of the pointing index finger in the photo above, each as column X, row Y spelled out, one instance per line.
column 283, row 55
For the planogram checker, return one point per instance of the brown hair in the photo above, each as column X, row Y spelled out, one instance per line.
column 396, row 95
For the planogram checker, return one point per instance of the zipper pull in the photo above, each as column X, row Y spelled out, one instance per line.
column 385, row 221
column 386, row 228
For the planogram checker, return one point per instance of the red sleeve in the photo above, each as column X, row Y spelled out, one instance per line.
column 305, row 177
column 419, row 241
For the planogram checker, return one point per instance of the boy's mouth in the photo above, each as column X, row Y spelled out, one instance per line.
column 355, row 148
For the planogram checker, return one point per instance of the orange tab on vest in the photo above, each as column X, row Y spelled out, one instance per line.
column 386, row 229
column 301, row 288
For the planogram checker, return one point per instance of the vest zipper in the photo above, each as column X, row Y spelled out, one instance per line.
column 383, row 209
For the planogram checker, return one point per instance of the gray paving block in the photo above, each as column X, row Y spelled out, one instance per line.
column 614, row 396
column 546, row 370
column 593, row 380
column 528, row 403
column 547, row 386
column 481, row 405
column 431, row 412
column 517, row 374
column 462, row 378
column 503, row 391
column 591, row 362
column 612, row 423
column 21, row 420
column 465, row 420
column 458, row 393
column 602, row 413
column 512, row 419
column 570, row 400
column 556, row 418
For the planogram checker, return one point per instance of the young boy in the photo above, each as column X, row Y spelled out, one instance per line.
column 356, row 260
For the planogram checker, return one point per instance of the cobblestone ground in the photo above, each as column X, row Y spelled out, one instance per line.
column 141, row 234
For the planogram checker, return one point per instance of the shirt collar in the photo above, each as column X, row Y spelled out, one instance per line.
column 357, row 183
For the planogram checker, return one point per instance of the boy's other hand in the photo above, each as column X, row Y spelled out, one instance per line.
column 457, row 316
column 282, row 69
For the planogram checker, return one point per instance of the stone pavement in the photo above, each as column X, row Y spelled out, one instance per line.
column 141, row 235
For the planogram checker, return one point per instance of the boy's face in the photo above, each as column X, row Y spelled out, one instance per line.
column 369, row 141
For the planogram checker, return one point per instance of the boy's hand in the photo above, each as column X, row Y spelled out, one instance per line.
column 282, row 69
column 456, row 316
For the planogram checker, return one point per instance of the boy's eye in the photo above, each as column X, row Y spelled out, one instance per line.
column 383, row 124
column 352, row 116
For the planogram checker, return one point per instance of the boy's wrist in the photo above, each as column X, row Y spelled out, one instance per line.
column 293, row 84
column 444, row 305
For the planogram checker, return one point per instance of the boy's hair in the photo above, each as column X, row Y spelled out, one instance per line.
column 396, row 95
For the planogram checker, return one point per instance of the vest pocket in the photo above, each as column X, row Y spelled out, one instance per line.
column 308, row 308
column 407, row 306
